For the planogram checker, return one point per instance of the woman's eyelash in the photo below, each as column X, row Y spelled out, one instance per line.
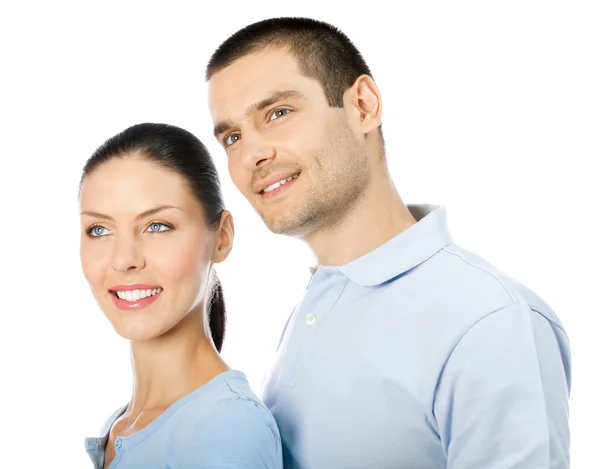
column 167, row 225
column 90, row 230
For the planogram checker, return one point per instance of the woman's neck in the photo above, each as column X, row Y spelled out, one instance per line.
column 172, row 366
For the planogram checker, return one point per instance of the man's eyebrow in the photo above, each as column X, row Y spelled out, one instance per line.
column 270, row 100
column 226, row 125
column 147, row 213
column 222, row 127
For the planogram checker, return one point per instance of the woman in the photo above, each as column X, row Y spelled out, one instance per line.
column 153, row 224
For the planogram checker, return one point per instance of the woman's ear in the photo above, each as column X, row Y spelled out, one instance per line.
column 223, row 238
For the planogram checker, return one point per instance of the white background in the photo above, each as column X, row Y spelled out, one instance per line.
column 490, row 108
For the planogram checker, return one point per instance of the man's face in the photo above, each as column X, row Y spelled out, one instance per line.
column 296, row 159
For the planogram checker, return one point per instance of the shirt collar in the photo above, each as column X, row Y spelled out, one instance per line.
column 405, row 251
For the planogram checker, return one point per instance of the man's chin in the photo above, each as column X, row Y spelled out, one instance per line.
column 287, row 226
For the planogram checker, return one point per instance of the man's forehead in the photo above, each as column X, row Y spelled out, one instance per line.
column 245, row 83
column 263, row 60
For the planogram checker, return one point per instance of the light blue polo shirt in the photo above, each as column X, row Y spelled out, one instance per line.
column 221, row 425
column 421, row 355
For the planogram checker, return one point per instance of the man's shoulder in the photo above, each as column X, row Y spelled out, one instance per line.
column 470, row 286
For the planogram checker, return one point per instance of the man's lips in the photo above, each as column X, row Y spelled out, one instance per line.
column 274, row 179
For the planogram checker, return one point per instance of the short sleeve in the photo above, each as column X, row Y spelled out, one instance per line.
column 502, row 398
column 235, row 433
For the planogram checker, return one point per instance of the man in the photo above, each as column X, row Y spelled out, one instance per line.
column 406, row 351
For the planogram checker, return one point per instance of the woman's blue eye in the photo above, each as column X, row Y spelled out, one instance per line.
column 158, row 227
column 98, row 231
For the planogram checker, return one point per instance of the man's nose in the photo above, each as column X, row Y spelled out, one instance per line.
column 256, row 152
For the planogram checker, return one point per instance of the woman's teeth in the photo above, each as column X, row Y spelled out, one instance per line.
column 274, row 186
column 135, row 295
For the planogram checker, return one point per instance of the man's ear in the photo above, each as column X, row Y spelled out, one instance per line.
column 363, row 100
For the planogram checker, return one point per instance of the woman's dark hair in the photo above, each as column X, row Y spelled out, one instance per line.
column 180, row 151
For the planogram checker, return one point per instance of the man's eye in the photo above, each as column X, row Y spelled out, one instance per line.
column 279, row 113
column 231, row 139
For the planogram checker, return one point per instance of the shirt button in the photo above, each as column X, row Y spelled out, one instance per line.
column 311, row 319
column 118, row 443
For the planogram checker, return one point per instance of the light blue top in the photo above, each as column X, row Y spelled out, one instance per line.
column 421, row 355
column 221, row 425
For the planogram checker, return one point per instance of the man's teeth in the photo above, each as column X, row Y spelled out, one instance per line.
column 135, row 295
column 274, row 186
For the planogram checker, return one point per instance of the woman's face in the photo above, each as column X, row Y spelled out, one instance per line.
column 145, row 248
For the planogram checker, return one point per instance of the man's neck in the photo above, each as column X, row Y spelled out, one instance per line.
column 377, row 217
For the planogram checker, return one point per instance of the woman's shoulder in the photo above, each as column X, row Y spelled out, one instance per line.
column 231, row 424
column 226, row 385
column 228, row 395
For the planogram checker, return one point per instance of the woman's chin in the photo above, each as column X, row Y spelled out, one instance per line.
column 136, row 332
